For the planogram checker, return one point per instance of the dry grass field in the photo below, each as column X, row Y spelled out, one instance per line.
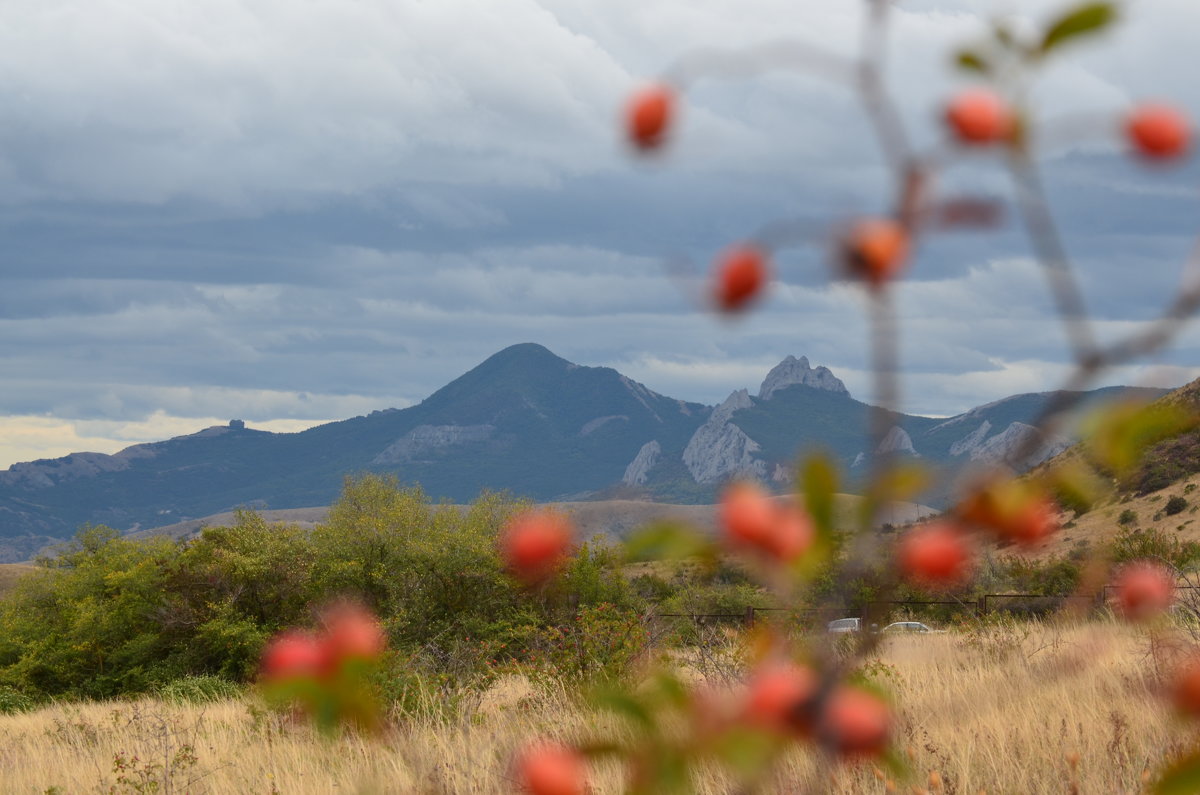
column 1040, row 709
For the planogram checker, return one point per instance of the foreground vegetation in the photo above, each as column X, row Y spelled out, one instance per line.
column 117, row 617
column 1002, row 708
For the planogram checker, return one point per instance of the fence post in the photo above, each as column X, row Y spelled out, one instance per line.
column 749, row 618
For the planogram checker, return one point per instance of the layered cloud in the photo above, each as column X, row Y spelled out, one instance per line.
column 290, row 213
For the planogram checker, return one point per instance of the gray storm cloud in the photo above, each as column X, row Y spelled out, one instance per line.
column 307, row 210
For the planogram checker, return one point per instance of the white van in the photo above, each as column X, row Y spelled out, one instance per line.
column 845, row 625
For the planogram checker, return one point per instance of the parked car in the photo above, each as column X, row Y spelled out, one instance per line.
column 911, row 626
column 845, row 625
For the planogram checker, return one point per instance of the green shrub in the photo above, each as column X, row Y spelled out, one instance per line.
column 1175, row 505
column 601, row 643
column 1151, row 543
column 1127, row 517
column 13, row 700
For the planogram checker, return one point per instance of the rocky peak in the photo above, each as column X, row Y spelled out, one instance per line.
column 793, row 371
column 724, row 412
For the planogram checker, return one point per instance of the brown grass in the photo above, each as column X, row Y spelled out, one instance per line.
column 1005, row 711
column 10, row 573
column 1098, row 527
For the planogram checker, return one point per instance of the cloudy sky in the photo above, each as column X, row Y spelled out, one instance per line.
column 292, row 212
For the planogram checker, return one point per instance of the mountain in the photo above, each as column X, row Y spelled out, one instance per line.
column 799, row 409
column 524, row 420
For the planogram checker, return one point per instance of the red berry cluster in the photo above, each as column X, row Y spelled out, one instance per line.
column 754, row 521
column 535, row 544
column 350, row 633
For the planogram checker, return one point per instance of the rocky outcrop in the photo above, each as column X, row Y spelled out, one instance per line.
column 719, row 449
column 1005, row 447
column 638, row 471
column 792, row 371
column 972, row 441
column 425, row 439
column 51, row 472
column 592, row 425
column 897, row 441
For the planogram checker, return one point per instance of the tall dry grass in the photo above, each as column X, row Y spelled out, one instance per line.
column 1008, row 710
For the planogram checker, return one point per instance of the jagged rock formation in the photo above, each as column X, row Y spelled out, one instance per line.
column 1004, row 447
column 719, row 449
column 793, row 371
column 425, row 439
column 972, row 441
column 897, row 441
column 53, row 471
column 638, row 471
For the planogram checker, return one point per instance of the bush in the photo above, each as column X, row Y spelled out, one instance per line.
column 1175, row 505
column 12, row 700
column 1151, row 543
column 1127, row 517
column 112, row 616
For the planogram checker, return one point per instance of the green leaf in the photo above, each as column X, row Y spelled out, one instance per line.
column 624, row 704
column 666, row 540
column 1076, row 485
column 671, row 689
column 1003, row 34
column 1120, row 434
column 971, row 61
column 1079, row 21
column 903, row 480
column 819, row 482
column 746, row 751
column 1181, row 778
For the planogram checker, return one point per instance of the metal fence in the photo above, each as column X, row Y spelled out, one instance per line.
column 944, row 610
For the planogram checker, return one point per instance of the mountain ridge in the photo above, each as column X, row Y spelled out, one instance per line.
column 523, row 420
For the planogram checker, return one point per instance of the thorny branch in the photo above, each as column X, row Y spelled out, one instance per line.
column 911, row 175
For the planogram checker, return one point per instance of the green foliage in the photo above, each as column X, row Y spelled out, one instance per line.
column 1127, row 517
column 13, row 700
column 1133, row 544
column 1049, row 577
column 110, row 616
column 600, row 643
column 1082, row 20
column 1176, row 504
column 1182, row 777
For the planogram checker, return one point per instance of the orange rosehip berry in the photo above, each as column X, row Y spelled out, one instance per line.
column 293, row 655
column 1185, row 689
column 534, row 544
column 648, row 116
column 791, row 536
column 741, row 274
column 780, row 698
column 934, row 555
column 352, row 633
column 855, row 722
column 1031, row 522
column 1158, row 132
column 876, row 249
column 979, row 117
column 552, row 770
column 748, row 514
column 1144, row 590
